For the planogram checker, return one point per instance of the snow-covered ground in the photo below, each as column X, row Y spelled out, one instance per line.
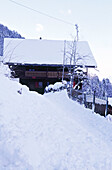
column 50, row 132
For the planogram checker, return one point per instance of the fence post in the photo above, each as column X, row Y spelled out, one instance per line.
column 85, row 104
column 93, row 105
column 106, row 109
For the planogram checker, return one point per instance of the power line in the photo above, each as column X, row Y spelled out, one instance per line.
column 42, row 13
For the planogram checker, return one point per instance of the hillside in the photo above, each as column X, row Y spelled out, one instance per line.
column 5, row 32
column 50, row 131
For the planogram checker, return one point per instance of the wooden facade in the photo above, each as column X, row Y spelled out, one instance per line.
column 48, row 58
column 37, row 77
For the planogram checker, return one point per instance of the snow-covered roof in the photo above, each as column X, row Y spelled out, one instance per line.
column 33, row 51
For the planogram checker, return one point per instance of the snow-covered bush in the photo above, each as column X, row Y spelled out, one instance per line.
column 49, row 88
column 58, row 86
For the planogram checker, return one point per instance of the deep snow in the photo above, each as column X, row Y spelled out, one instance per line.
column 50, row 132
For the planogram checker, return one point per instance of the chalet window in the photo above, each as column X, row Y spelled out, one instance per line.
column 31, row 69
column 40, row 84
column 47, row 83
column 36, row 85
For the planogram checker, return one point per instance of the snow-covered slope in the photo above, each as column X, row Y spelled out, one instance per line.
column 50, row 132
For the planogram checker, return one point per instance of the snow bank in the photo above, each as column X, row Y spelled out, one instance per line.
column 109, row 117
column 50, row 132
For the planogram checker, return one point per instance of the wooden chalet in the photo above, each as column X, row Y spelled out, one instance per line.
column 38, row 63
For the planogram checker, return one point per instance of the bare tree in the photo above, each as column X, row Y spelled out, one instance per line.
column 72, row 58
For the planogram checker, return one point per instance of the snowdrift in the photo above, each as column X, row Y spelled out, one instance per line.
column 50, row 132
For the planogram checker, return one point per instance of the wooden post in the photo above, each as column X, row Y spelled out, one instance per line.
column 93, row 105
column 85, row 104
column 106, row 109
column 71, row 86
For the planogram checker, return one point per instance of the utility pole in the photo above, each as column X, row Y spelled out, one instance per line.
column 64, row 60
column 74, row 48
column 77, row 38
column 73, row 57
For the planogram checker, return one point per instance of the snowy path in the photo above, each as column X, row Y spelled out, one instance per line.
column 50, row 132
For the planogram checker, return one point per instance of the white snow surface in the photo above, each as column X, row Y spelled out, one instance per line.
column 50, row 132
column 110, row 100
column 34, row 51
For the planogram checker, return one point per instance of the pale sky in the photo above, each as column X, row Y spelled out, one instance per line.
column 94, row 18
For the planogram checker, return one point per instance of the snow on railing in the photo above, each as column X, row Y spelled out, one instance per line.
column 89, row 98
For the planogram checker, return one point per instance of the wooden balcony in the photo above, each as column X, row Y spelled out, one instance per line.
column 45, row 74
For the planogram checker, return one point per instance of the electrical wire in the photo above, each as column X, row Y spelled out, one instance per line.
column 42, row 13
